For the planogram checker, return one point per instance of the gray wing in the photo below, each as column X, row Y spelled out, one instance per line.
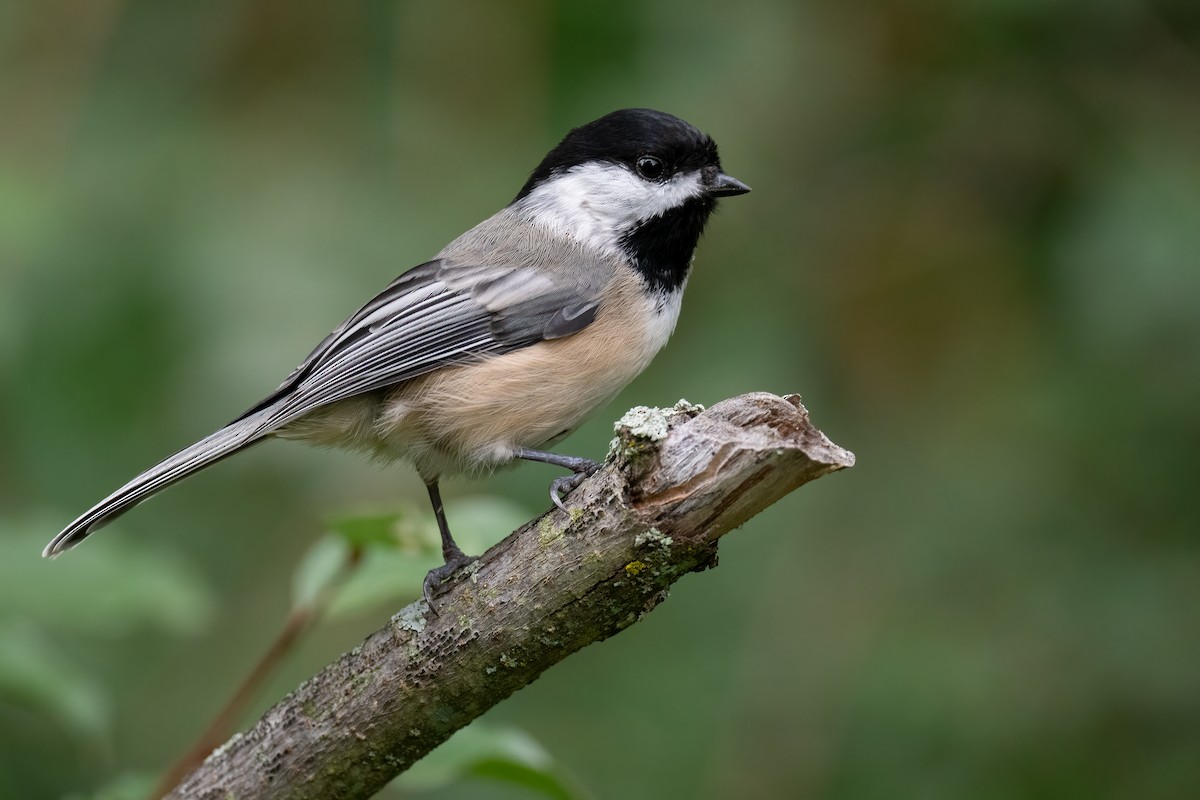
column 434, row 315
column 437, row 314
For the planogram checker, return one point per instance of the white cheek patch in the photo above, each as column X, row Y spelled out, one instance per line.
column 598, row 203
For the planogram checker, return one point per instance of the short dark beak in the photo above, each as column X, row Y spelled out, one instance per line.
column 726, row 186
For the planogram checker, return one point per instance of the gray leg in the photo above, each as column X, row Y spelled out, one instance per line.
column 582, row 468
column 455, row 558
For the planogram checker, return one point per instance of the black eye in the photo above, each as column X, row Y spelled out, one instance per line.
column 650, row 167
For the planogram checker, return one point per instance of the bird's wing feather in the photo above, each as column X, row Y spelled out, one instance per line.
column 436, row 315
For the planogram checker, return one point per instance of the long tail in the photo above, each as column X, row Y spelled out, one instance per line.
column 209, row 450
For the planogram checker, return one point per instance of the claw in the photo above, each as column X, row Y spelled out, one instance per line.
column 561, row 487
column 436, row 579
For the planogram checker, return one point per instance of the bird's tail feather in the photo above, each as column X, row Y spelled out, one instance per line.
column 209, row 450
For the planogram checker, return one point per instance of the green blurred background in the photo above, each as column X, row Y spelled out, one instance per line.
column 972, row 246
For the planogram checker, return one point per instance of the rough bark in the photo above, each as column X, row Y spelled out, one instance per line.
column 653, row 513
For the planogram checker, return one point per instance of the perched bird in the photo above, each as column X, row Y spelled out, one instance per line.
column 510, row 337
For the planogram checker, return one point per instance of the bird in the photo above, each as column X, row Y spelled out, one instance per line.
column 506, row 340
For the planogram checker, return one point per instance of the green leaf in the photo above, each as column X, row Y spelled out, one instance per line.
column 367, row 531
column 396, row 528
column 544, row 781
column 493, row 752
column 108, row 590
column 129, row 786
column 320, row 568
column 33, row 673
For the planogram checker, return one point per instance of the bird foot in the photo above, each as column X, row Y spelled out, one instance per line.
column 437, row 579
column 561, row 487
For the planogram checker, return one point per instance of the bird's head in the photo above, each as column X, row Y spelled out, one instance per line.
column 637, row 182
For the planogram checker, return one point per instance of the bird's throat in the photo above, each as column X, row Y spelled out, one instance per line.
column 661, row 248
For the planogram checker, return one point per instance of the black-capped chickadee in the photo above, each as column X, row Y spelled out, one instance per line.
column 510, row 337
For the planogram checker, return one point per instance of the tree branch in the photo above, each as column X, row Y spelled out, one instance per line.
column 653, row 513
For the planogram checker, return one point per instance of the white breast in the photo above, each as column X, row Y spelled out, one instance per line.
column 663, row 315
